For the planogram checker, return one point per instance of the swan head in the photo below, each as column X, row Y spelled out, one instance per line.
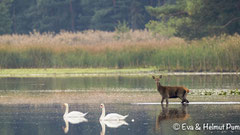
column 102, row 105
column 65, row 104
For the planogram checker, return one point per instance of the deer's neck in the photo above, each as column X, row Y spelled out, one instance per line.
column 159, row 87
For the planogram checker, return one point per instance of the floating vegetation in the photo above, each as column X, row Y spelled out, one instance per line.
column 209, row 92
column 222, row 93
column 235, row 92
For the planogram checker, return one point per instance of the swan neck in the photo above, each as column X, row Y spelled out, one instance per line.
column 66, row 110
column 103, row 113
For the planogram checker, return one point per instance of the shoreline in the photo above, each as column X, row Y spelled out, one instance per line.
column 93, row 97
column 81, row 72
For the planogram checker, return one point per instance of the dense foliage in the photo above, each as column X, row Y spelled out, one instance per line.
column 196, row 18
column 23, row 16
column 183, row 18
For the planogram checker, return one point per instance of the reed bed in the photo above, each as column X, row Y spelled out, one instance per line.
column 134, row 49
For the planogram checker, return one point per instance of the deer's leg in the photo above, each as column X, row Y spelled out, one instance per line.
column 182, row 98
column 166, row 101
column 186, row 100
column 162, row 100
column 182, row 102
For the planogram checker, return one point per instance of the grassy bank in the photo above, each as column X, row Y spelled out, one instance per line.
column 35, row 72
column 96, row 49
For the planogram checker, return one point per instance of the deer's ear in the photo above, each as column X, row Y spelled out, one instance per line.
column 160, row 76
column 153, row 77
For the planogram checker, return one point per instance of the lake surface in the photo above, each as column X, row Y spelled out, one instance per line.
column 144, row 119
column 138, row 83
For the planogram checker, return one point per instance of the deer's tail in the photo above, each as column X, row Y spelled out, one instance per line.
column 187, row 90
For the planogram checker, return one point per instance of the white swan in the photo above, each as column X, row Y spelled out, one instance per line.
column 73, row 113
column 75, row 120
column 111, row 116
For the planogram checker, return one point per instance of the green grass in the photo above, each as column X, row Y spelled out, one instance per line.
column 69, row 72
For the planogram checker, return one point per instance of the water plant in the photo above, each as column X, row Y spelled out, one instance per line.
column 235, row 92
column 222, row 93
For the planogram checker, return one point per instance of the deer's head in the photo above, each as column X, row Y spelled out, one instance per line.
column 157, row 79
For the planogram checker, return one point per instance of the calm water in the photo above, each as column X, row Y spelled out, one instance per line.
column 142, row 120
column 120, row 82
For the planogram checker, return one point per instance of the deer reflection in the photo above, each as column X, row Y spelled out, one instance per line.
column 179, row 114
column 111, row 124
column 72, row 120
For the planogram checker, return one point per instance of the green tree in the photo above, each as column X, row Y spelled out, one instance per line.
column 102, row 18
column 138, row 14
column 132, row 11
column 52, row 15
column 21, row 16
column 195, row 18
column 24, row 16
column 209, row 18
column 84, row 13
column 5, row 16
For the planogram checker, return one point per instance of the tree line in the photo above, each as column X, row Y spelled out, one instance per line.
column 22, row 16
column 183, row 18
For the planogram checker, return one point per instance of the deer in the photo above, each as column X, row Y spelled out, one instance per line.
column 171, row 91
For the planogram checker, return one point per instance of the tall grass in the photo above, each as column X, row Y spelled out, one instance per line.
column 103, row 49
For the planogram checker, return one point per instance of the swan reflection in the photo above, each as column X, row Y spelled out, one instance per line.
column 179, row 114
column 74, row 117
column 111, row 124
column 114, row 124
column 72, row 120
